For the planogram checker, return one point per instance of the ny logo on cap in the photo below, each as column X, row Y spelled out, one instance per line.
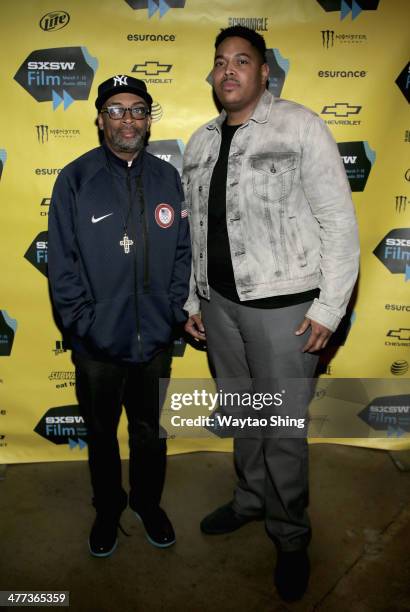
column 120, row 79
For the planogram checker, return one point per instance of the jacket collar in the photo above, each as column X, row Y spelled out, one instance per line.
column 117, row 162
column 259, row 115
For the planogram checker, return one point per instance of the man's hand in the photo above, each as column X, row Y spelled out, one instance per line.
column 318, row 338
column 195, row 327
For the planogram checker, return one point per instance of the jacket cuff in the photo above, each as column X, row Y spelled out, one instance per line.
column 323, row 315
column 192, row 305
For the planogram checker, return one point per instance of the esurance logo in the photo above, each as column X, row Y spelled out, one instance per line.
column 358, row 159
column 391, row 414
column 154, row 6
column 60, row 75
column 3, row 158
column 346, row 7
column 403, row 82
column 56, row 20
column 341, row 113
column 394, row 251
column 8, row 328
column 63, row 425
column 171, row 151
column 37, row 253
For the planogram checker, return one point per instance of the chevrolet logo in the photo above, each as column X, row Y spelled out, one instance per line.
column 152, row 68
column 341, row 109
column 401, row 334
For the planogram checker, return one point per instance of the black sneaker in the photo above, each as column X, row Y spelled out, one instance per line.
column 292, row 574
column 103, row 537
column 225, row 520
column 158, row 527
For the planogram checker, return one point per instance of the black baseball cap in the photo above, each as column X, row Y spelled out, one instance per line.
column 121, row 83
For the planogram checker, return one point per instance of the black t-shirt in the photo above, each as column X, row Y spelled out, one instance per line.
column 220, row 271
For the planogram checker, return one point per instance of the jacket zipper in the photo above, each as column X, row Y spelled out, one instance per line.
column 139, row 339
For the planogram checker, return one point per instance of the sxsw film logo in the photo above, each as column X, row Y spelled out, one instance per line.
column 44, row 132
column 398, row 337
column 390, row 413
column 358, row 159
column 150, row 69
column 401, row 203
column 278, row 71
column 394, row 251
column 56, row 20
column 63, row 425
column 3, row 158
column 8, row 328
column 162, row 6
column 343, row 113
column 330, row 37
column 37, row 253
column 169, row 150
column 403, row 82
column 61, row 75
column 345, row 7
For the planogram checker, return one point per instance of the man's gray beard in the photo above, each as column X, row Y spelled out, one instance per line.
column 128, row 145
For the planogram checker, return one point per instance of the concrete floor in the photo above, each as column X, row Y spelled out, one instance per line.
column 360, row 509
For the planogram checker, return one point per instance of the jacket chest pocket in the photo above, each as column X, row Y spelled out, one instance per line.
column 272, row 175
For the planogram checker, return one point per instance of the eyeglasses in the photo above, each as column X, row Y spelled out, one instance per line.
column 118, row 112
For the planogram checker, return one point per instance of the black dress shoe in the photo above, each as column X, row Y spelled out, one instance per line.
column 225, row 520
column 158, row 527
column 103, row 537
column 292, row 574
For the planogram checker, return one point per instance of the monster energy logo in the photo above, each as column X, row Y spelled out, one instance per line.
column 328, row 38
column 42, row 133
column 401, row 203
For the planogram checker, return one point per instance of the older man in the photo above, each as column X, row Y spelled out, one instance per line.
column 275, row 252
column 119, row 264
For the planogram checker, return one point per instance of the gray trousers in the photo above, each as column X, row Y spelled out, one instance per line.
column 256, row 343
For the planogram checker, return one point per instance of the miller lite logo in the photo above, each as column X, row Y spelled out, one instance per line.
column 164, row 215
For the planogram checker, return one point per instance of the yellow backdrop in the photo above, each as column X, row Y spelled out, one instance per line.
column 347, row 60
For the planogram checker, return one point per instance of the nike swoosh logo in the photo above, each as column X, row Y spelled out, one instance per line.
column 97, row 219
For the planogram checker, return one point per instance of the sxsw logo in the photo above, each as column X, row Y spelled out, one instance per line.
column 345, row 7
column 394, row 251
column 153, row 6
column 169, row 150
column 8, row 328
column 37, row 253
column 403, row 82
column 3, row 158
column 390, row 413
column 63, row 425
column 61, row 75
column 358, row 159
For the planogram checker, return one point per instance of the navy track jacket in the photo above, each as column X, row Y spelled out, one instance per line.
column 115, row 305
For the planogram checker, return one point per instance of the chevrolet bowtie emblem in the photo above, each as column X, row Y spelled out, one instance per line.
column 341, row 109
column 152, row 68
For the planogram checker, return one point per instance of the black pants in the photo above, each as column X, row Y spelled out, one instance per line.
column 102, row 389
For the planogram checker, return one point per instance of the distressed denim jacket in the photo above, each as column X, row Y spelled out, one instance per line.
column 289, row 211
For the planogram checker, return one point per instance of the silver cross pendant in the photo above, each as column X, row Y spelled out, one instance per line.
column 126, row 243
